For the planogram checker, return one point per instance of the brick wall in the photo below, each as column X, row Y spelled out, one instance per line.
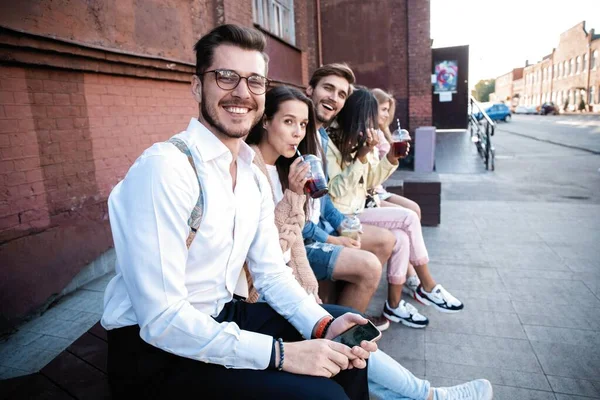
column 387, row 43
column 66, row 138
column 85, row 87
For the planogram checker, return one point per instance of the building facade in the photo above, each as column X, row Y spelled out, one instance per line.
column 506, row 89
column 569, row 76
column 85, row 87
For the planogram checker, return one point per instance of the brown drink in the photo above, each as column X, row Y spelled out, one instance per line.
column 316, row 185
column 400, row 148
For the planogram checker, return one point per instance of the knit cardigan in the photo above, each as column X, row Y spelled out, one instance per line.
column 289, row 219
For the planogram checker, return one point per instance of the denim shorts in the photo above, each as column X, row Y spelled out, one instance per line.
column 322, row 258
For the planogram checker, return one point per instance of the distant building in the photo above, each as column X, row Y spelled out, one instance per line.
column 569, row 76
column 505, row 90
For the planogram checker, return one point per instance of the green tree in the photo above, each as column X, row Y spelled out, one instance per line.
column 483, row 89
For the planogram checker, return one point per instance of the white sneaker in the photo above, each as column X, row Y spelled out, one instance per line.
column 406, row 314
column 480, row 389
column 411, row 285
column 440, row 298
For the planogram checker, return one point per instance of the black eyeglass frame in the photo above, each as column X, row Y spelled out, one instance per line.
column 217, row 71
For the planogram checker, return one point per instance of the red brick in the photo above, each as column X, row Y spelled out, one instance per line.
column 18, row 111
column 64, row 123
column 16, row 178
column 26, row 164
column 9, row 222
column 90, row 88
column 43, row 98
column 35, row 175
column 7, row 166
column 23, row 98
column 6, row 97
column 63, row 111
column 78, row 99
column 45, row 123
column 60, row 87
column 61, row 99
column 4, row 140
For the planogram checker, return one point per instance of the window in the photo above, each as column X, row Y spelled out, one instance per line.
column 594, row 59
column 277, row 17
column 591, row 100
column 572, row 67
column 559, row 72
column 578, row 68
column 585, row 62
column 565, row 68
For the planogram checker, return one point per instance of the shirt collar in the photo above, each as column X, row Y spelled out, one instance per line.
column 209, row 146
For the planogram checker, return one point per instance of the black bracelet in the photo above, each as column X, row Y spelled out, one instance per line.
column 280, row 367
column 327, row 327
column 272, row 364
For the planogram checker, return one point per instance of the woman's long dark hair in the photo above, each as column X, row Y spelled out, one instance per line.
column 309, row 145
column 350, row 131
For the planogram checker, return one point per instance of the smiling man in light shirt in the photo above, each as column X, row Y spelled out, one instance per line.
column 173, row 324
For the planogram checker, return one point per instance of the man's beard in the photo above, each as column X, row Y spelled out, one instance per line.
column 322, row 119
column 210, row 116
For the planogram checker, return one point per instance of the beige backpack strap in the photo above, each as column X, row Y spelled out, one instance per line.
column 198, row 211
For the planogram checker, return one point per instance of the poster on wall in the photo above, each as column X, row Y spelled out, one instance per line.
column 446, row 73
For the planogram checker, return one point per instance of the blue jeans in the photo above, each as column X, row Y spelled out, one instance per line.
column 390, row 380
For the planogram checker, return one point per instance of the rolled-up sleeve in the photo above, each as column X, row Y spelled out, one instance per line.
column 273, row 279
column 148, row 213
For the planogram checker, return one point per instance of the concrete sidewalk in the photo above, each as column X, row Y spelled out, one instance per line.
column 526, row 266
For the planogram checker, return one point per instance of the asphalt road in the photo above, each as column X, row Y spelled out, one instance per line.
column 538, row 158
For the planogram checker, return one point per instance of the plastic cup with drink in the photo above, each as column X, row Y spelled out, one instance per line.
column 400, row 140
column 351, row 227
column 316, row 185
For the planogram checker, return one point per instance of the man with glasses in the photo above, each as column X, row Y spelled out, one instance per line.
column 173, row 324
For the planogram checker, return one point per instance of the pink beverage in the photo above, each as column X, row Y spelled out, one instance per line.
column 316, row 188
column 399, row 148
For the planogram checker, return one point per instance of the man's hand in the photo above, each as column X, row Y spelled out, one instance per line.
column 344, row 241
column 342, row 324
column 297, row 176
column 370, row 143
column 317, row 357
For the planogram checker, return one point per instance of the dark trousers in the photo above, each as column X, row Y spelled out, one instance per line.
column 139, row 370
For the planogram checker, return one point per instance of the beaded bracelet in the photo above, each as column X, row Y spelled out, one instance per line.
column 280, row 367
column 327, row 327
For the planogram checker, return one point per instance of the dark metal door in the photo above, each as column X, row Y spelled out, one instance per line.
column 450, row 99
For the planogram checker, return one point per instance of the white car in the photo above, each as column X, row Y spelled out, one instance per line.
column 525, row 110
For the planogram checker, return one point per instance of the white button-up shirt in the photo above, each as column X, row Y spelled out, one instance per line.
column 172, row 294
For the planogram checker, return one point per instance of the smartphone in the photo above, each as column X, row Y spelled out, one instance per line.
column 355, row 335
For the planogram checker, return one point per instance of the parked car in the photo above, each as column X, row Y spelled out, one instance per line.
column 549, row 108
column 525, row 110
column 496, row 112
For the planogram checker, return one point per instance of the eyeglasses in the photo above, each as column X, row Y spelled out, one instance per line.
column 228, row 80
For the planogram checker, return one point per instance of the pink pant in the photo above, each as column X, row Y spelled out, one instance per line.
column 409, row 247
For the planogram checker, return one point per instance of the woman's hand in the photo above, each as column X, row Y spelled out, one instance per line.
column 297, row 176
column 370, row 143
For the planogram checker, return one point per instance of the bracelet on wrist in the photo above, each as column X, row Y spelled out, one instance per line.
column 327, row 327
column 320, row 329
column 280, row 366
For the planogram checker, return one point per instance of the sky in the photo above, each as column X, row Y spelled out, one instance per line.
column 503, row 34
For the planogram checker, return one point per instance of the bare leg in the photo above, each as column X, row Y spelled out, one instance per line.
column 411, row 270
column 394, row 295
column 362, row 272
column 379, row 241
column 425, row 277
column 395, row 200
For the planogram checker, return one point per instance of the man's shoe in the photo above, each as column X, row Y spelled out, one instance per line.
column 406, row 314
column 380, row 322
column 480, row 389
column 440, row 298
column 411, row 285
